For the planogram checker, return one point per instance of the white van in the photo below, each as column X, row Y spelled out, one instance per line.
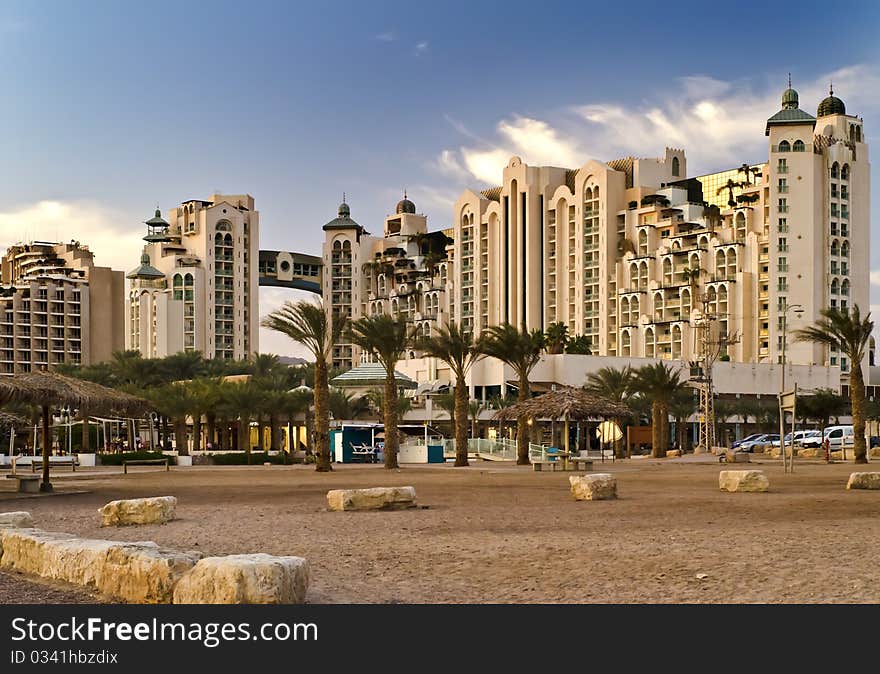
column 838, row 436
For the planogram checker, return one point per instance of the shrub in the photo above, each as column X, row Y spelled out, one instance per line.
column 117, row 459
column 240, row 459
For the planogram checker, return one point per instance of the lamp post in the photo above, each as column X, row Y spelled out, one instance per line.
column 799, row 310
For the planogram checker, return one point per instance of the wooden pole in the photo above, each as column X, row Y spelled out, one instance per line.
column 566, row 433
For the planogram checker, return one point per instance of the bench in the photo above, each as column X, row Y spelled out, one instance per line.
column 71, row 461
column 143, row 462
column 585, row 462
column 27, row 484
column 363, row 453
column 538, row 466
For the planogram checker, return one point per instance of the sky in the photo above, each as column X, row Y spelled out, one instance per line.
column 111, row 108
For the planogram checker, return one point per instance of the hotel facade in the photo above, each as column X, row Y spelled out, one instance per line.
column 634, row 254
column 196, row 286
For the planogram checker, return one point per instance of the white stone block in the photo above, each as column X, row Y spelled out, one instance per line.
column 863, row 481
column 155, row 510
column 245, row 579
column 16, row 520
column 743, row 480
column 593, row 487
column 377, row 498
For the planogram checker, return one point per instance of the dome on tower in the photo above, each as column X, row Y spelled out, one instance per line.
column 789, row 99
column 405, row 206
column 146, row 270
column 831, row 105
column 344, row 210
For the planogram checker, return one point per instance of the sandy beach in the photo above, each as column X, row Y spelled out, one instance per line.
column 499, row 533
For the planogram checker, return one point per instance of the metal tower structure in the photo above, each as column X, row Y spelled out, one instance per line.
column 708, row 344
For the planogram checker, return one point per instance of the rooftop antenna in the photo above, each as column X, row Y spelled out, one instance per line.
column 830, row 87
column 789, row 80
column 343, row 197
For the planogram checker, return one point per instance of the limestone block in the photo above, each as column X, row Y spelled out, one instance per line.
column 143, row 573
column 737, row 457
column 57, row 556
column 673, row 452
column 863, row 481
column 874, row 452
column 245, row 579
column 377, row 498
column 743, row 480
column 155, row 510
column 16, row 520
column 594, row 487
column 811, row 452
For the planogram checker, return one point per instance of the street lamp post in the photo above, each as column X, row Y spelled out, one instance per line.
column 799, row 310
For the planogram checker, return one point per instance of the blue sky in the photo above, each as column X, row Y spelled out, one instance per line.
column 111, row 107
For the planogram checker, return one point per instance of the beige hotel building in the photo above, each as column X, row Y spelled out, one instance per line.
column 196, row 286
column 631, row 252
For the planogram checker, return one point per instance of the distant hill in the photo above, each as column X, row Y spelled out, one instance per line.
column 291, row 361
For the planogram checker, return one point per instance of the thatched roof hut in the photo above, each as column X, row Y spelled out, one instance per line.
column 45, row 389
column 10, row 420
column 565, row 402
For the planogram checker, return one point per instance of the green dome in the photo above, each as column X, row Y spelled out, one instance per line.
column 789, row 99
column 831, row 106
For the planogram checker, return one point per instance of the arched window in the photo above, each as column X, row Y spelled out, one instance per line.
column 676, row 341
column 188, row 281
column 624, row 311
column 643, row 242
column 798, row 146
column 844, row 287
column 731, row 261
column 650, row 346
column 720, row 261
column 634, row 310
column 835, row 287
column 178, row 280
column 667, row 270
column 676, row 167
column 844, row 249
column 596, row 192
column 685, row 302
column 844, row 172
column 643, row 275
column 634, row 275
column 222, row 226
column 858, row 134
column 784, row 146
column 835, row 249
column 178, row 287
column 835, row 170
column 625, row 343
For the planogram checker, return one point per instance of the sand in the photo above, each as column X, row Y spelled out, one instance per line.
column 498, row 533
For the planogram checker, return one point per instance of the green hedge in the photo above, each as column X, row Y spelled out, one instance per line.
column 117, row 459
column 240, row 459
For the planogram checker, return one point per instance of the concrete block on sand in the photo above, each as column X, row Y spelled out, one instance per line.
column 16, row 520
column 245, row 579
column 154, row 510
column 594, row 487
column 863, row 481
column 377, row 498
column 743, row 480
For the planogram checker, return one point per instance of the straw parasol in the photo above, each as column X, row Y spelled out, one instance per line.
column 565, row 402
column 45, row 389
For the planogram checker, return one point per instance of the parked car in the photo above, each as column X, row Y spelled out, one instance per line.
column 838, row 436
column 813, row 440
column 799, row 437
column 765, row 439
column 748, row 438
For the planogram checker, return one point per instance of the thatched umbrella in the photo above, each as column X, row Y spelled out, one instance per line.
column 565, row 402
column 45, row 389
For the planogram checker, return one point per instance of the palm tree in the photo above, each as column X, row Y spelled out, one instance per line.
column 659, row 382
column 446, row 402
column 730, row 185
column 386, row 339
column 521, row 350
column 614, row 384
column 345, row 406
column 822, row 405
column 691, row 276
column 308, row 324
column 681, row 406
column 175, row 401
column 579, row 344
column 242, row 400
column 455, row 347
column 474, row 408
column 556, row 337
column 849, row 333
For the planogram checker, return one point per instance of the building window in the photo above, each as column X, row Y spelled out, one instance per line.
column 798, row 146
column 833, row 228
column 782, row 166
column 844, row 172
column 783, row 186
column 835, row 170
column 783, row 205
column 783, row 225
column 783, row 264
column 782, row 245
column 782, row 284
column 784, row 146
column 676, row 167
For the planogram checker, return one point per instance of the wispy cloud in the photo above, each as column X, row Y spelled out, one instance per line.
column 99, row 227
column 388, row 36
column 718, row 123
column 422, row 47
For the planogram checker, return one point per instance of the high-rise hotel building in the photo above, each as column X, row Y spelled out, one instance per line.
column 57, row 307
column 631, row 252
column 196, row 288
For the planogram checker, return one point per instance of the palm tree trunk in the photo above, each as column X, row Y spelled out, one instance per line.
column 390, row 414
column 180, row 436
column 197, row 431
column 165, row 443
column 461, row 403
column 85, row 443
column 274, row 431
column 261, row 436
column 322, row 418
column 46, row 484
column 522, row 428
column 244, row 432
column 857, row 395
column 211, row 420
column 657, row 450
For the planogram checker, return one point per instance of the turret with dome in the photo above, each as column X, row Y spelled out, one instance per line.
column 405, row 205
column 831, row 105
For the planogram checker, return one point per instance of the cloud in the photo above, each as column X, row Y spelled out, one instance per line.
column 421, row 48
column 718, row 123
column 93, row 224
column 388, row 36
